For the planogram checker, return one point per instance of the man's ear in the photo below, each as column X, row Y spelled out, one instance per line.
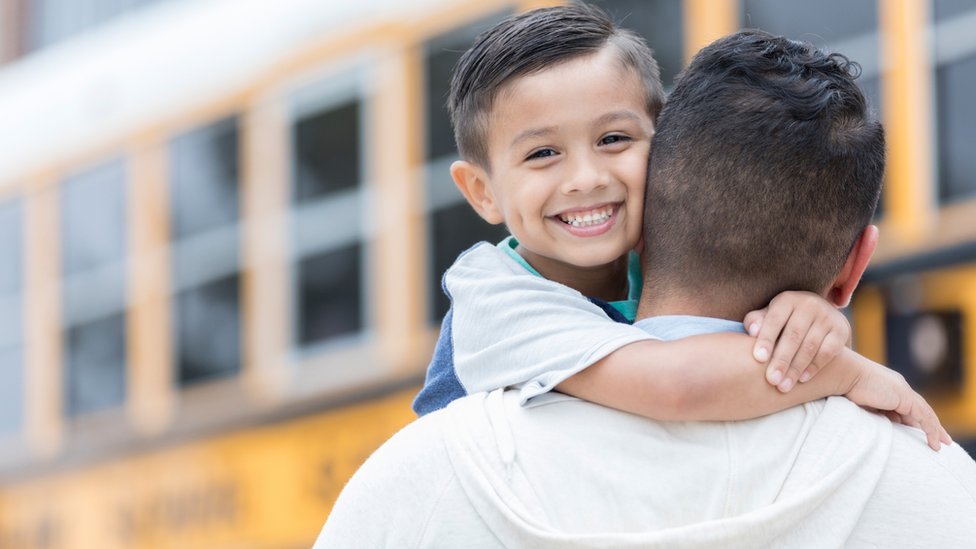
column 857, row 261
column 472, row 181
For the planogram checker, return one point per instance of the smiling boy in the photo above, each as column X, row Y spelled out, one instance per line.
column 554, row 112
column 566, row 166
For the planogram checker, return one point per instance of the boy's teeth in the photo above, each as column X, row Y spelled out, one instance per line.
column 589, row 218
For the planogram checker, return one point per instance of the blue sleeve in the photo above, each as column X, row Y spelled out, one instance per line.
column 610, row 310
column 442, row 385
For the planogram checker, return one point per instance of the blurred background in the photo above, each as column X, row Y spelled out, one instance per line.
column 223, row 225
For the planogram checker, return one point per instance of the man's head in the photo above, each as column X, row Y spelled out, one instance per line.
column 766, row 170
column 553, row 112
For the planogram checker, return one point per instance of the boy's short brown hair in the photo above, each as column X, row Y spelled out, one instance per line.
column 531, row 42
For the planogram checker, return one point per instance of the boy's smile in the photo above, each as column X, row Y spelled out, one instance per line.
column 589, row 221
column 568, row 149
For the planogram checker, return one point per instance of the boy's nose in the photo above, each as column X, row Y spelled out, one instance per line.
column 587, row 175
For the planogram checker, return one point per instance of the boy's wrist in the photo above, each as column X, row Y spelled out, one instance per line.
column 852, row 368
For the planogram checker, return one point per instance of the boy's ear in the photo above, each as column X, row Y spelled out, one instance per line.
column 472, row 181
column 857, row 261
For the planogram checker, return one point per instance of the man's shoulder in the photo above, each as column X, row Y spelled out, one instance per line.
column 418, row 443
column 399, row 484
column 923, row 498
column 911, row 455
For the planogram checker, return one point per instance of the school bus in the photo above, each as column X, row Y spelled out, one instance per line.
column 223, row 224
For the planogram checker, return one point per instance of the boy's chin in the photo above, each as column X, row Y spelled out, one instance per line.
column 593, row 261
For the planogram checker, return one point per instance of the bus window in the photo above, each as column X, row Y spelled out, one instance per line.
column 204, row 188
column 93, row 243
column 327, row 152
column 11, row 316
column 330, row 288
column 855, row 34
column 659, row 23
column 327, row 221
column 955, row 78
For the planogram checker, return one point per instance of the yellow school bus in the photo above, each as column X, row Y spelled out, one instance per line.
column 223, row 224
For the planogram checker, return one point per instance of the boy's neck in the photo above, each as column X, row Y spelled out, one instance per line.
column 607, row 282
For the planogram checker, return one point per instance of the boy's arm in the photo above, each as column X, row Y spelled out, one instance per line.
column 714, row 377
column 706, row 377
column 511, row 328
column 514, row 329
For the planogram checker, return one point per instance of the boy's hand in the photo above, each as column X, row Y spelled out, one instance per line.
column 797, row 334
column 884, row 390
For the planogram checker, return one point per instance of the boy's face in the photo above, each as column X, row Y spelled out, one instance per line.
column 568, row 148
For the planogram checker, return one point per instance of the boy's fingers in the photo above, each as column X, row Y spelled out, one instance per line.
column 895, row 417
column 769, row 331
column 753, row 321
column 928, row 422
column 832, row 345
column 809, row 351
column 812, row 370
column 791, row 343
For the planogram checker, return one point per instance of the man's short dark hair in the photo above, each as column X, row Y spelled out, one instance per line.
column 530, row 42
column 766, row 166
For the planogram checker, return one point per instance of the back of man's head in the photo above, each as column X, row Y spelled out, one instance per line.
column 765, row 168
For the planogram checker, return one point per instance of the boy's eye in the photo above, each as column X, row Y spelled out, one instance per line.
column 541, row 153
column 613, row 138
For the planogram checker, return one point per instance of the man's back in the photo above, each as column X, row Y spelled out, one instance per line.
column 486, row 472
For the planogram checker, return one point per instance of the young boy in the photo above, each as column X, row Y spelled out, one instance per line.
column 554, row 112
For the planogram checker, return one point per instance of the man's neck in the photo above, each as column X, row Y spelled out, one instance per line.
column 660, row 302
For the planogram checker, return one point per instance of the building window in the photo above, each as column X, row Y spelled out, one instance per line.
column 955, row 78
column 327, row 223
column 205, row 212
column 659, row 23
column 453, row 226
column 93, row 228
column 11, row 316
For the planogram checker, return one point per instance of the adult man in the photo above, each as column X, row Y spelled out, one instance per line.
column 765, row 170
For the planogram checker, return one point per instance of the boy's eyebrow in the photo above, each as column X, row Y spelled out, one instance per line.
column 618, row 115
column 607, row 118
column 532, row 132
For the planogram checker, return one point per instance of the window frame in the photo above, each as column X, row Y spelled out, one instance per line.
column 208, row 240
column 313, row 94
column 88, row 277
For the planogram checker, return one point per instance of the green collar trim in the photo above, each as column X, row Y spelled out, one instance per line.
column 635, row 280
